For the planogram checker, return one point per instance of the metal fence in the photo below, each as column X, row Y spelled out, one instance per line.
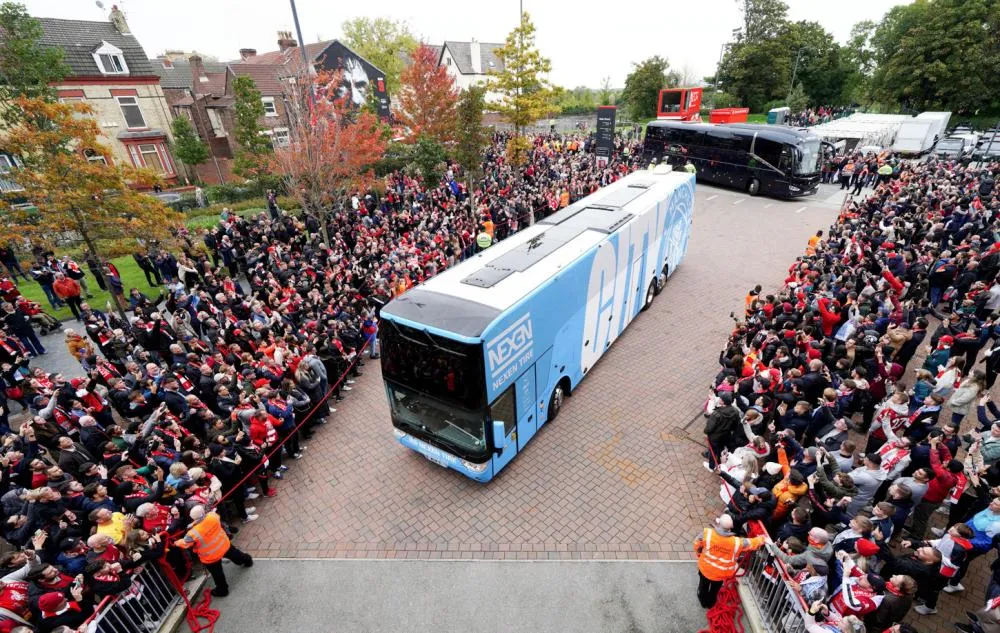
column 767, row 597
column 142, row 607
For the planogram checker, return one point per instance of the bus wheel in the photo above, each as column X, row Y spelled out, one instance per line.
column 556, row 401
column 754, row 187
column 650, row 295
column 661, row 280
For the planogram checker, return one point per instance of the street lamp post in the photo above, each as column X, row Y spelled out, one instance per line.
column 722, row 51
column 795, row 69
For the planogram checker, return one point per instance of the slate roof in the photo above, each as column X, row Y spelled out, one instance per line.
column 180, row 75
column 290, row 59
column 80, row 38
column 267, row 77
column 461, row 52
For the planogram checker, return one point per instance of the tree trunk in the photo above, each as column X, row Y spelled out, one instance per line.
column 92, row 251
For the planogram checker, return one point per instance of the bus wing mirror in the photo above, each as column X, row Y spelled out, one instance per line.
column 499, row 435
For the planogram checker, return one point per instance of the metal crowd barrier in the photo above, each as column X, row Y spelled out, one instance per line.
column 770, row 603
column 142, row 607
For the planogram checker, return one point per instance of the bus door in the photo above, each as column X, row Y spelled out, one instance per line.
column 503, row 427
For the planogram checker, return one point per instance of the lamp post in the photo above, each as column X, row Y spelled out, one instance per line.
column 795, row 69
column 722, row 51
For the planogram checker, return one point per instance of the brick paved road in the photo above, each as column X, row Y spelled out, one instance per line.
column 616, row 477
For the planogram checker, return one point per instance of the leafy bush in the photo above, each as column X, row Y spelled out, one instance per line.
column 726, row 100
column 186, row 203
column 777, row 103
column 228, row 193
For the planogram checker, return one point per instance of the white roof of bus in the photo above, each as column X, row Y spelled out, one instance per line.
column 518, row 285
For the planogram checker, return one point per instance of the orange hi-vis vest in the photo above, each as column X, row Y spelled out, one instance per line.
column 208, row 539
column 718, row 555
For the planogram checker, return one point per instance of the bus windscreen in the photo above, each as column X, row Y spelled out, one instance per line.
column 810, row 151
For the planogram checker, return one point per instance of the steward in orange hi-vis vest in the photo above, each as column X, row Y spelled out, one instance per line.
column 719, row 551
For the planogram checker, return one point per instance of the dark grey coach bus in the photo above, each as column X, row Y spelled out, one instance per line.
column 778, row 161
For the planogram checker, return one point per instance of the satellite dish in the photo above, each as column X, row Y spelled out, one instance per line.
column 100, row 5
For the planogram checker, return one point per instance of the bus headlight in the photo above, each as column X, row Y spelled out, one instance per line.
column 476, row 468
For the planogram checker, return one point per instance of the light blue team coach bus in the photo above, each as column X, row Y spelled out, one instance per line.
column 479, row 357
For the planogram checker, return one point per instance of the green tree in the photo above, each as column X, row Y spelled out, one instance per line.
column 385, row 43
column 428, row 157
column 643, row 85
column 606, row 94
column 940, row 54
column 797, row 98
column 188, row 148
column 470, row 136
column 26, row 67
column 762, row 19
column 254, row 148
column 821, row 68
column 525, row 92
column 859, row 59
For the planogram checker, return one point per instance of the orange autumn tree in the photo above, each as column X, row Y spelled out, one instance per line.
column 332, row 146
column 72, row 200
column 427, row 102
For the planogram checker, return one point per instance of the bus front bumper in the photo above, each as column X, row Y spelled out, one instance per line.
column 477, row 472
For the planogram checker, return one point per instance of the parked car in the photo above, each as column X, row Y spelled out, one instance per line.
column 988, row 151
column 953, row 147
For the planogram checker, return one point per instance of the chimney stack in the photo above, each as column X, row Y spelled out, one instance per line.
column 246, row 53
column 197, row 73
column 117, row 18
column 477, row 57
column 286, row 41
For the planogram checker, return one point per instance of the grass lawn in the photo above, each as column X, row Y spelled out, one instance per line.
column 757, row 118
column 132, row 277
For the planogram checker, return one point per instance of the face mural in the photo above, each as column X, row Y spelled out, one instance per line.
column 354, row 82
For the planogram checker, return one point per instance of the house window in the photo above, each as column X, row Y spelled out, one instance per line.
column 269, row 109
column 112, row 64
column 217, row 128
column 95, row 157
column 151, row 158
column 6, row 165
column 280, row 137
column 131, row 112
column 110, row 60
column 449, row 61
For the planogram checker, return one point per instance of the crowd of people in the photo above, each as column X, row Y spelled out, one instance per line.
column 187, row 413
column 851, row 419
column 819, row 114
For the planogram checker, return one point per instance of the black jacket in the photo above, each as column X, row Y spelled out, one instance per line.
column 721, row 425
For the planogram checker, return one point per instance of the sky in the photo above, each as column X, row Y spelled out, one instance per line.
column 587, row 40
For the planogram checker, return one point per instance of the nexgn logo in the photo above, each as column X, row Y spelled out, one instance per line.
column 510, row 350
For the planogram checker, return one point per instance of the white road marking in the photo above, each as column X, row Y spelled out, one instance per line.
column 740, row 201
column 800, row 209
column 712, row 197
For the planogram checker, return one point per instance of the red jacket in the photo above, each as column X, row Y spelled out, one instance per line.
column 944, row 480
column 66, row 287
column 830, row 319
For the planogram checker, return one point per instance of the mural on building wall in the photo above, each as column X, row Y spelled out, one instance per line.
column 360, row 80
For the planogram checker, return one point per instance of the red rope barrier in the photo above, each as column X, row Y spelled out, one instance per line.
column 279, row 445
column 726, row 616
column 193, row 613
column 782, row 569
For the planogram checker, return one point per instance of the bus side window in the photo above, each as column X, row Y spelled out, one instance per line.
column 503, row 409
